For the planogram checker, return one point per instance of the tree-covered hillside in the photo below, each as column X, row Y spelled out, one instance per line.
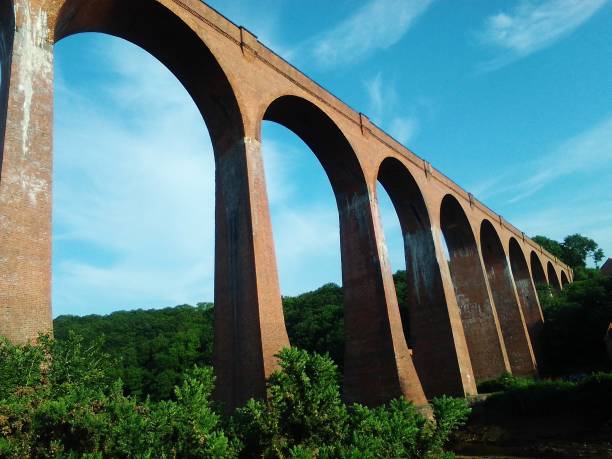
column 155, row 347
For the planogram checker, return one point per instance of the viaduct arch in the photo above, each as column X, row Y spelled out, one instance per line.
column 464, row 318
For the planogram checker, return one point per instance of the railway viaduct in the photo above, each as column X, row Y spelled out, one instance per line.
column 471, row 317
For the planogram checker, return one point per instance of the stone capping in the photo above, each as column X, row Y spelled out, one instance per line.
column 267, row 56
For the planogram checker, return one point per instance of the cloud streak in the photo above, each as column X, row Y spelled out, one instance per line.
column 587, row 152
column 383, row 110
column 134, row 192
column 532, row 26
column 134, row 197
column 376, row 25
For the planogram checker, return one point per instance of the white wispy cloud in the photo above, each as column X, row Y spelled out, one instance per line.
column 134, row 194
column 304, row 214
column 376, row 25
column 534, row 25
column 582, row 214
column 384, row 109
column 134, row 189
column 535, row 195
column 587, row 153
column 403, row 128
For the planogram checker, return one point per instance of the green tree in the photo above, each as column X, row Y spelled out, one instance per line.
column 59, row 400
column 576, row 320
column 577, row 248
column 574, row 250
column 550, row 245
column 303, row 417
column 315, row 321
column 303, row 410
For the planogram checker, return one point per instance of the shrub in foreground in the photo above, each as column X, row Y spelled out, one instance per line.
column 58, row 400
column 304, row 417
column 591, row 397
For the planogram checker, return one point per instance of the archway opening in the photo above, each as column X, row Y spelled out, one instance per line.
column 564, row 279
column 374, row 341
column 511, row 321
column 174, row 159
column 527, row 294
column 537, row 271
column 131, row 152
column 306, row 235
column 553, row 279
column 425, row 315
column 7, row 32
column 480, row 324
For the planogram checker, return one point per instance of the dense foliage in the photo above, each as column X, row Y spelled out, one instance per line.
column 574, row 250
column 155, row 347
column 576, row 320
column 590, row 396
column 315, row 321
column 59, row 399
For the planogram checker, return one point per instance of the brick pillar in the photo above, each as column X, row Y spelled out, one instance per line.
column 378, row 364
column 26, row 123
column 511, row 321
column 249, row 322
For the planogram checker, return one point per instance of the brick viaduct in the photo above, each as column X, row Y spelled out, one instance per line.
column 470, row 318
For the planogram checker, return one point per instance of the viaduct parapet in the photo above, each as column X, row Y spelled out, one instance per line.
column 471, row 318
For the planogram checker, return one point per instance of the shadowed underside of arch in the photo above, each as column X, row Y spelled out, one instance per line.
column 377, row 364
column 249, row 325
column 527, row 295
column 511, row 321
column 537, row 270
column 564, row 279
column 480, row 323
column 553, row 279
column 436, row 334
column 173, row 43
column 7, row 33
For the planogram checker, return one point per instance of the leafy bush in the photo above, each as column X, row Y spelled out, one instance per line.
column 303, row 417
column 590, row 397
column 303, row 412
column 576, row 320
column 504, row 383
column 60, row 401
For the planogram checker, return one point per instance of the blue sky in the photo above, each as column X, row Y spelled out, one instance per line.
column 511, row 99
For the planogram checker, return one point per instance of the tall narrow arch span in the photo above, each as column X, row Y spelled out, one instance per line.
column 511, row 321
column 553, row 279
column 436, row 334
column 564, row 279
column 528, row 296
column 377, row 364
column 167, row 37
column 249, row 327
column 480, row 323
column 537, row 270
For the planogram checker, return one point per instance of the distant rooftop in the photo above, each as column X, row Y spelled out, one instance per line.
column 607, row 267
